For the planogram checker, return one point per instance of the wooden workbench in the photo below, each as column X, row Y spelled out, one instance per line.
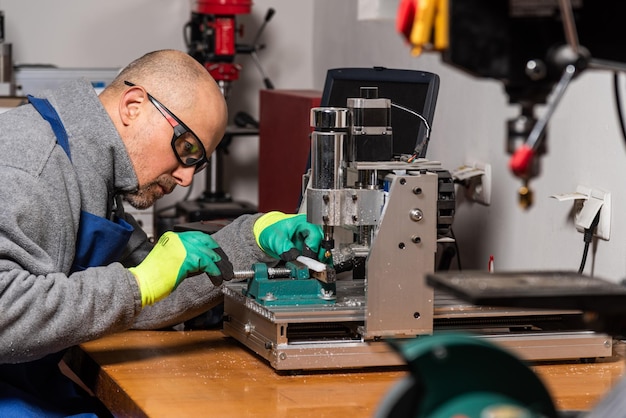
column 204, row 373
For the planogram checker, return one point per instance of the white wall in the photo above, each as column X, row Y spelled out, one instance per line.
column 585, row 147
column 74, row 33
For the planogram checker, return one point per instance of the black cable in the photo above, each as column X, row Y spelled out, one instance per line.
column 618, row 104
column 588, row 237
column 584, row 258
column 458, row 252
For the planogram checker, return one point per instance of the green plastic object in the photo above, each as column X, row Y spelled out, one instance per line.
column 297, row 289
column 459, row 375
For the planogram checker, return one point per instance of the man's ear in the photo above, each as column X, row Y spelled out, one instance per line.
column 130, row 104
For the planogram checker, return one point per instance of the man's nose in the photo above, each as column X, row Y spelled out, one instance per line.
column 184, row 175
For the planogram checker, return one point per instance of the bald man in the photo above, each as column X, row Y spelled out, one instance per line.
column 73, row 265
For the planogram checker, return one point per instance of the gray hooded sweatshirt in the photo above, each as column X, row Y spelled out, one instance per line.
column 43, row 308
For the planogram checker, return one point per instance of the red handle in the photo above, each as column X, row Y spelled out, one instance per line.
column 521, row 160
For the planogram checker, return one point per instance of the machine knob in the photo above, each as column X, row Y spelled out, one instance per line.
column 329, row 118
column 416, row 215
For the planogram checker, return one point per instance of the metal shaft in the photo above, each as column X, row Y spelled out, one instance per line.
column 271, row 272
column 534, row 139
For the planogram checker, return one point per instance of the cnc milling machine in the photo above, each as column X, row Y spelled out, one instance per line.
column 384, row 218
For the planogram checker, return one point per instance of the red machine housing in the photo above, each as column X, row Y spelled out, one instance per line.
column 214, row 31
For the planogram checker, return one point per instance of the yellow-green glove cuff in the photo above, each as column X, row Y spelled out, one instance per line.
column 173, row 258
column 160, row 272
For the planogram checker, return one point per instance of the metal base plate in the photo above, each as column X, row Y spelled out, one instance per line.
column 328, row 337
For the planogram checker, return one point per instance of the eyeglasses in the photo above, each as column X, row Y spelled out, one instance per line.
column 186, row 145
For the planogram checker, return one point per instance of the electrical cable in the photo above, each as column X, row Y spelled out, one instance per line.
column 588, row 237
column 447, row 252
column 458, row 251
column 419, row 146
column 584, row 258
column 618, row 104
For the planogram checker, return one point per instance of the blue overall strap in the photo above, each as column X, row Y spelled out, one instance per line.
column 46, row 110
column 99, row 241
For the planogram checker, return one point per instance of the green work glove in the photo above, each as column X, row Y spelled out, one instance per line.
column 287, row 236
column 173, row 258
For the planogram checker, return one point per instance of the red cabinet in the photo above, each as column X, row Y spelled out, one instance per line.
column 284, row 146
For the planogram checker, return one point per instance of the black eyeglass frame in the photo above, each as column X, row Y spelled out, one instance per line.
column 179, row 130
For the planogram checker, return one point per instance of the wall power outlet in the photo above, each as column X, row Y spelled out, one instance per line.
column 586, row 210
column 476, row 178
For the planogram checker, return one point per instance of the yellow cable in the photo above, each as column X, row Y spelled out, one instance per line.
column 423, row 25
column 441, row 26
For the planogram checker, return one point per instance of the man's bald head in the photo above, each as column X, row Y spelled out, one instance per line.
column 172, row 76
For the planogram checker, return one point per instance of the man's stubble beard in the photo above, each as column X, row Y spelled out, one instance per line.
column 147, row 195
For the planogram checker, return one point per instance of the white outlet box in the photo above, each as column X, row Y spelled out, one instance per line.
column 476, row 178
column 482, row 190
column 586, row 210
